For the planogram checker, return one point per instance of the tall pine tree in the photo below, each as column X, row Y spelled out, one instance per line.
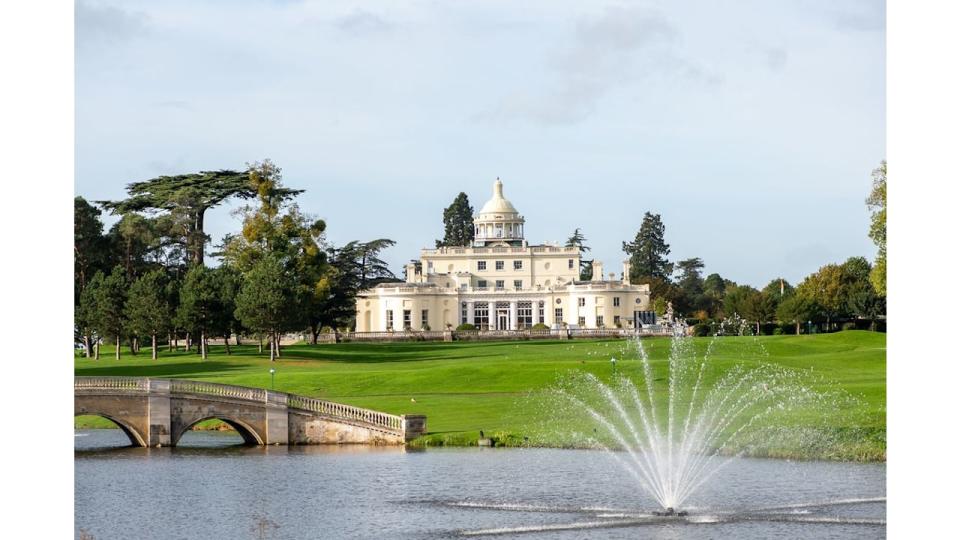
column 648, row 251
column 457, row 223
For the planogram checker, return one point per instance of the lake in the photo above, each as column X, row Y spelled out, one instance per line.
column 211, row 487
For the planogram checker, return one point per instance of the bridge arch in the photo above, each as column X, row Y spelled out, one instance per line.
column 249, row 434
column 136, row 438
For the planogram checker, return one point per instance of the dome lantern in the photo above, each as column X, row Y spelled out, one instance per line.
column 498, row 222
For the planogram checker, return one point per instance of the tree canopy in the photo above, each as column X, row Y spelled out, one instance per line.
column 648, row 251
column 877, row 203
column 457, row 223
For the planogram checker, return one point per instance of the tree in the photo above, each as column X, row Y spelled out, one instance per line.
column 85, row 314
column 825, row 288
column 739, row 301
column 778, row 289
column 200, row 303
column 690, row 283
column 133, row 237
column 372, row 269
column 796, row 309
column 760, row 308
column 89, row 245
column 457, row 223
column 111, row 299
column 579, row 241
column 228, row 281
column 648, row 251
column 263, row 297
column 190, row 195
column 277, row 230
column 148, row 307
column 877, row 203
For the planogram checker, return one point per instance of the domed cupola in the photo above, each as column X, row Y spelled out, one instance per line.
column 498, row 222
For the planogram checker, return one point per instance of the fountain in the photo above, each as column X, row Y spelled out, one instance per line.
column 672, row 432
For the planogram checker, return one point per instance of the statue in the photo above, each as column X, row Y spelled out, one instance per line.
column 669, row 315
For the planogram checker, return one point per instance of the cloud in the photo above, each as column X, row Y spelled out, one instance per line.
column 96, row 24
column 362, row 22
column 616, row 49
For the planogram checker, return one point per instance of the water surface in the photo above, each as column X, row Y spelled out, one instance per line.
column 211, row 488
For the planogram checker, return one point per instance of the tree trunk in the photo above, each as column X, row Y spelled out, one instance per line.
column 86, row 344
column 313, row 333
column 186, row 343
column 226, row 343
column 96, row 351
column 259, row 344
column 153, row 342
column 798, row 328
column 203, row 344
column 117, row 351
column 272, row 348
column 237, row 338
column 277, row 340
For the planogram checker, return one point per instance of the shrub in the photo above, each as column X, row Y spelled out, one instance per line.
column 426, row 328
column 539, row 326
column 466, row 327
column 702, row 330
column 778, row 331
column 849, row 326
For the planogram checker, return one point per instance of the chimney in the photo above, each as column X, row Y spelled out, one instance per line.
column 613, row 276
column 626, row 272
column 411, row 271
column 597, row 271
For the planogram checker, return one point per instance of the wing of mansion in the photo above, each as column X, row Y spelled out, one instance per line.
column 503, row 283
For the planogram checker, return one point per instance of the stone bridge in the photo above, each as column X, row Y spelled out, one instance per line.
column 157, row 412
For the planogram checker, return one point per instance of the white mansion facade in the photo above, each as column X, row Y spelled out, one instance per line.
column 502, row 283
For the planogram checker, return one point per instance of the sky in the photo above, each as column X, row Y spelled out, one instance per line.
column 751, row 127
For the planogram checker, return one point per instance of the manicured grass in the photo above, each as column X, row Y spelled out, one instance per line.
column 465, row 387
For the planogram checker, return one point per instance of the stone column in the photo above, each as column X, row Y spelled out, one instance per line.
column 535, row 306
column 470, row 312
column 513, row 315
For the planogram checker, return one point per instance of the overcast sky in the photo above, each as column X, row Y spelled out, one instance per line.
column 751, row 127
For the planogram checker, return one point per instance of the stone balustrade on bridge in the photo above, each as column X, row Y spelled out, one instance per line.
column 157, row 412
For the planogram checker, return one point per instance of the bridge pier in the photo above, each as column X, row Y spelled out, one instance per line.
column 158, row 413
column 277, row 418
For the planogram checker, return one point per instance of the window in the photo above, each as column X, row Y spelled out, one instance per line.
column 599, row 321
column 389, row 319
column 518, row 265
column 616, row 301
column 558, row 315
column 463, row 313
column 406, row 319
column 616, row 321
column 581, row 301
column 482, row 283
column 518, row 284
column 481, row 265
column 499, row 265
column 581, row 322
column 481, row 315
column 524, row 314
column 424, row 317
column 540, row 314
column 570, row 264
column 499, row 283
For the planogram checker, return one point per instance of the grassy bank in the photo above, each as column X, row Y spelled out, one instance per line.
column 466, row 387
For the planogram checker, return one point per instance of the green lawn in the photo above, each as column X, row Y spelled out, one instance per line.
column 464, row 387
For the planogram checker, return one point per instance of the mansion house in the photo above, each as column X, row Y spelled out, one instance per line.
column 503, row 283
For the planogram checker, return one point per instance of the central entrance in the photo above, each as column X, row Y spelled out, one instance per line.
column 503, row 316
